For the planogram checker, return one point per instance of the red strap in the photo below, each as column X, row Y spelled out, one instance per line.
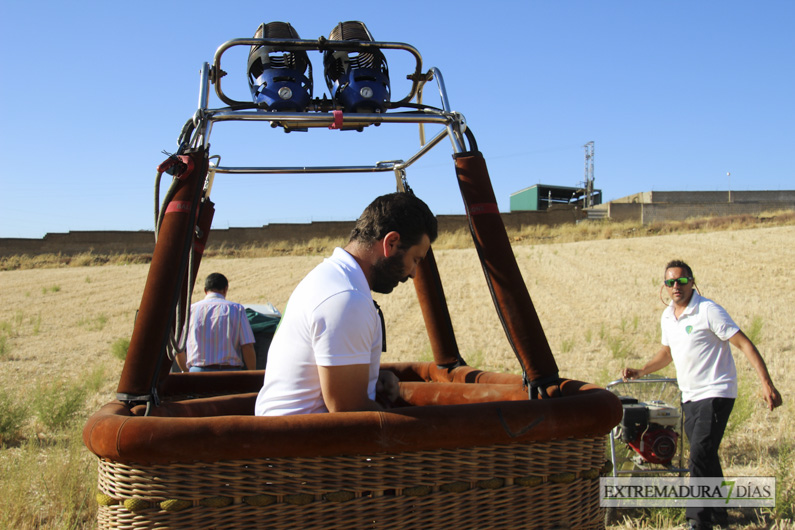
column 178, row 207
column 167, row 164
column 483, row 207
column 337, row 120
column 171, row 161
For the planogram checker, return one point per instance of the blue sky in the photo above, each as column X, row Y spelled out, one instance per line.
column 674, row 94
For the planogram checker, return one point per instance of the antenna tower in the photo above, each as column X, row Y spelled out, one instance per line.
column 589, row 155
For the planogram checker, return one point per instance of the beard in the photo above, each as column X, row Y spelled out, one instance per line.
column 388, row 272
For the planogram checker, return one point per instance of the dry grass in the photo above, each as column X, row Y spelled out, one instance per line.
column 598, row 302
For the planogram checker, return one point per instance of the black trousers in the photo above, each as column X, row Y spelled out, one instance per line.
column 705, row 423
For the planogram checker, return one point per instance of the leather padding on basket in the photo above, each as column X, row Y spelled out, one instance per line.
column 114, row 433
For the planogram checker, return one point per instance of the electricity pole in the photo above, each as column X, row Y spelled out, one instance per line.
column 589, row 155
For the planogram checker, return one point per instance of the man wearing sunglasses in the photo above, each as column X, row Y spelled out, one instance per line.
column 696, row 333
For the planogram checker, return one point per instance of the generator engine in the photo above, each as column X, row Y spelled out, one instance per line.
column 649, row 429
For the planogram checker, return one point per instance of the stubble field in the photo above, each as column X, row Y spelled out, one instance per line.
column 598, row 302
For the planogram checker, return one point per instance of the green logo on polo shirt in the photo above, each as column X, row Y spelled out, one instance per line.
column 689, row 329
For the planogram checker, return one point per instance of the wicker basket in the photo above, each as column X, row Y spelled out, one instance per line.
column 523, row 485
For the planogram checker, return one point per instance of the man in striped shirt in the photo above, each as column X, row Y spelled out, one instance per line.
column 219, row 336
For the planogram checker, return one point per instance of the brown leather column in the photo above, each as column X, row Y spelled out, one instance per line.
column 163, row 285
column 509, row 291
column 430, row 293
column 201, row 234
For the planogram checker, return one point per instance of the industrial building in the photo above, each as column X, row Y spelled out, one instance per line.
column 542, row 197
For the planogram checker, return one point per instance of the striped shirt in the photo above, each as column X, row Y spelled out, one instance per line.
column 218, row 329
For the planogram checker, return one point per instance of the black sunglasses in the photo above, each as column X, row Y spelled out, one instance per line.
column 684, row 280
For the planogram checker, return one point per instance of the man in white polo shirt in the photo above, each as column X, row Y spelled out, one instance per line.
column 696, row 333
column 326, row 353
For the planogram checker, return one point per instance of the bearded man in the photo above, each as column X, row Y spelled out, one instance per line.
column 326, row 353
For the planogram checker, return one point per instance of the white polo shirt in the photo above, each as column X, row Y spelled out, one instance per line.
column 330, row 320
column 699, row 342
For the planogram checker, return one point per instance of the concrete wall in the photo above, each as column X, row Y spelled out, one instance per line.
column 620, row 212
column 651, row 213
column 143, row 242
column 658, row 206
column 116, row 242
column 660, row 212
column 701, row 197
column 642, row 197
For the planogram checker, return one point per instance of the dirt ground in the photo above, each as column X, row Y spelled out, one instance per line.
column 599, row 304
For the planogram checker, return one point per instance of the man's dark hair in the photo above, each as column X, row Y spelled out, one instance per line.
column 399, row 212
column 216, row 282
column 679, row 264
